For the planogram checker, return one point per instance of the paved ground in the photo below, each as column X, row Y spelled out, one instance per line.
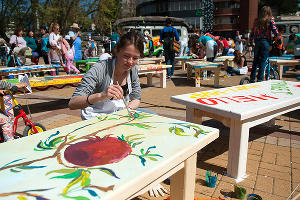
column 273, row 156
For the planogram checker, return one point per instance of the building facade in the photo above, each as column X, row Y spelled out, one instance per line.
column 234, row 15
column 228, row 17
column 190, row 10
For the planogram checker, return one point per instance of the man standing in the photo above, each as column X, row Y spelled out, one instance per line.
column 167, row 35
column 238, row 42
column 76, row 37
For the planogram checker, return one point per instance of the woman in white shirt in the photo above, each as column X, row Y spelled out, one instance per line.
column 19, row 45
column 55, row 40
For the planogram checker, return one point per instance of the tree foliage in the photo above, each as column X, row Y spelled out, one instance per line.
column 28, row 14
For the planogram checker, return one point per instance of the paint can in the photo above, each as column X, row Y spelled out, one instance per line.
column 254, row 197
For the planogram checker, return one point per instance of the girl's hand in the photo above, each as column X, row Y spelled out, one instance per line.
column 21, row 85
column 2, row 92
column 113, row 91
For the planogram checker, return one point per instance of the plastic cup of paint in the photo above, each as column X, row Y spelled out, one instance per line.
column 10, row 76
column 254, row 197
column 240, row 192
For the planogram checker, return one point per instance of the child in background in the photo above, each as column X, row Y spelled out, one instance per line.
column 240, row 63
column 69, row 52
column 5, row 122
column 55, row 57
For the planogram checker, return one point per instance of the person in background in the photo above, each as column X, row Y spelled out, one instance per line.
column 240, row 63
column 69, row 52
column 261, row 34
column 151, row 45
column 114, row 38
column 277, row 46
column 225, row 46
column 55, row 41
column 239, row 42
column 183, row 46
column 44, row 41
column 294, row 39
column 5, row 122
column 19, row 45
column 76, row 37
column 167, row 35
column 211, row 47
column 3, row 52
column 32, row 44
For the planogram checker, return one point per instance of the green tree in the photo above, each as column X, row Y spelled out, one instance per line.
column 107, row 14
column 12, row 11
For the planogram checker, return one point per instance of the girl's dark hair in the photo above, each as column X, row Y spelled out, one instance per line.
column 17, row 30
column 237, row 57
column 30, row 30
column 129, row 38
column 264, row 16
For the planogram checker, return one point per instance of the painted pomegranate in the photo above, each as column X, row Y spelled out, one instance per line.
column 97, row 151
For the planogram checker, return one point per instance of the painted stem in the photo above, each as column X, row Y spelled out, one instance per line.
column 21, row 193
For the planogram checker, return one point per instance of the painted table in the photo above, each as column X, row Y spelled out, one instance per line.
column 225, row 60
column 199, row 66
column 48, row 82
column 85, row 63
column 240, row 108
column 284, row 62
column 26, row 69
column 149, row 70
column 110, row 157
column 184, row 59
column 152, row 60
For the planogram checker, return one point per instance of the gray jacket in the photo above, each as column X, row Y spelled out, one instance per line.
column 6, row 85
column 98, row 78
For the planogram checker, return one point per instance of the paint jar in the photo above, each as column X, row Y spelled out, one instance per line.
column 211, row 180
column 239, row 192
column 10, row 76
column 254, row 197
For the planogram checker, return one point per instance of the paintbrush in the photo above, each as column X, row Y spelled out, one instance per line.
column 129, row 113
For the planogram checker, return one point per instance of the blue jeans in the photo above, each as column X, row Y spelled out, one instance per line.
column 261, row 53
column 170, row 61
column 225, row 51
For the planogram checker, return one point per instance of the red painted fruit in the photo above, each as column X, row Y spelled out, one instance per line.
column 97, row 151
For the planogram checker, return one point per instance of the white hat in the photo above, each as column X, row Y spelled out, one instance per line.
column 105, row 56
column 74, row 25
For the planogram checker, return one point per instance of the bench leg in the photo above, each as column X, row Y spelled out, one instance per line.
column 193, row 115
column 189, row 72
column 217, row 78
column 280, row 71
column 163, row 79
column 149, row 79
column 238, row 149
column 197, row 77
column 183, row 182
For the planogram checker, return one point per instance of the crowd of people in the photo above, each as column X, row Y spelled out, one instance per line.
column 51, row 45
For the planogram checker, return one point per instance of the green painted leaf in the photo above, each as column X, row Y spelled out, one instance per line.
column 76, row 198
column 130, row 136
column 87, row 182
column 142, row 151
column 171, row 129
column 135, row 144
column 154, row 155
column 151, row 158
column 62, row 171
column 15, row 171
column 144, row 126
column 72, row 137
column 134, row 139
column 69, row 176
column 29, row 167
column 109, row 172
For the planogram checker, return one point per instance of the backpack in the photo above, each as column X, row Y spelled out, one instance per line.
column 170, row 45
column 13, row 61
